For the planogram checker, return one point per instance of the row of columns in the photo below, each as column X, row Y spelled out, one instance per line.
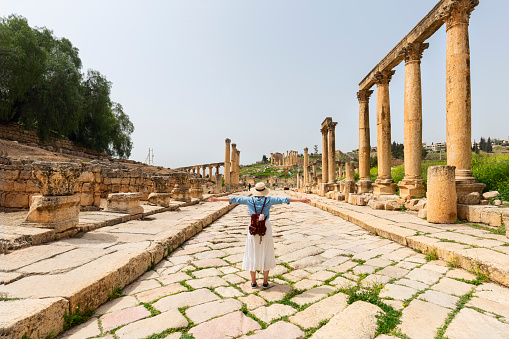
column 328, row 130
column 458, row 112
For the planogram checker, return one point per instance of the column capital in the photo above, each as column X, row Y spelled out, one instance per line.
column 305, row 150
column 363, row 95
column 457, row 12
column 324, row 129
column 332, row 126
column 234, row 145
column 227, row 140
column 383, row 77
column 413, row 51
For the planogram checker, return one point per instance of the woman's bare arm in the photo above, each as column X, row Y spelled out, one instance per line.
column 304, row 200
column 214, row 199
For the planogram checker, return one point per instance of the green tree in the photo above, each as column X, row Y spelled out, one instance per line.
column 264, row 159
column 397, row 150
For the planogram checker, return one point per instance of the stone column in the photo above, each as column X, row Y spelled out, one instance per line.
column 412, row 184
column 458, row 100
column 217, row 169
column 210, row 172
column 227, row 181
column 384, row 183
column 237, row 169
column 442, row 206
column 204, row 168
column 332, row 152
column 325, row 152
column 306, row 167
column 233, row 166
column 364, row 185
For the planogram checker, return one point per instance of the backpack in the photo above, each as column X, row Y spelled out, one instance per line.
column 257, row 225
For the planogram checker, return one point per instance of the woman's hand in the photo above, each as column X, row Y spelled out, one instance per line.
column 213, row 199
column 305, row 200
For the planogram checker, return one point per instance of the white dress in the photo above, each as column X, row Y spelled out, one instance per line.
column 259, row 256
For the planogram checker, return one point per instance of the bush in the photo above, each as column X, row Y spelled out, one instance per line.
column 492, row 171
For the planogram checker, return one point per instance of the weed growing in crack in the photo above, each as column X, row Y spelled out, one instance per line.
column 77, row 317
column 431, row 254
column 459, row 305
column 115, row 293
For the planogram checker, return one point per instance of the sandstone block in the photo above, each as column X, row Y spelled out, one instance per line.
column 232, row 325
column 274, row 311
column 421, row 319
column 281, row 329
column 16, row 200
column 56, row 212
column 325, row 309
column 442, row 199
column 128, row 203
column 113, row 320
column 472, row 324
column 470, row 199
column 490, row 195
column 159, row 199
column 204, row 312
column 392, row 205
column 146, row 327
column 56, row 178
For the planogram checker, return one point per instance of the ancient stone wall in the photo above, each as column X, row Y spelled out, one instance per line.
column 97, row 180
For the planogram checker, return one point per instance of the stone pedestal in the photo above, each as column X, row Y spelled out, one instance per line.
column 442, row 200
column 56, row 212
column 128, row 203
column 364, row 186
column 384, row 187
column 159, row 199
column 196, row 190
column 411, row 188
column 332, row 152
column 181, row 189
column 323, row 188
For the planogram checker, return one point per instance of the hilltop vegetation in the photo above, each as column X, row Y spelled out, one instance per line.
column 42, row 87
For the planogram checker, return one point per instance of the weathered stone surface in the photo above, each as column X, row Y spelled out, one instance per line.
column 55, row 212
column 490, row 306
column 324, row 309
column 276, row 292
column 312, row 295
column 30, row 255
column 342, row 326
column 56, row 178
column 451, row 286
column 113, row 320
column 173, row 278
column 117, row 305
column 86, row 330
column 397, row 292
column 279, row 329
column 140, row 286
column 252, row 301
column 425, row 276
column 421, row 319
column 207, row 282
column 231, row 325
column 146, row 327
column 470, row 324
column 37, row 318
column 185, row 299
column 274, row 311
column 470, row 199
column 210, row 263
column 128, row 203
column 204, row 312
column 439, row 298
column 306, row 284
column 156, row 293
column 393, row 272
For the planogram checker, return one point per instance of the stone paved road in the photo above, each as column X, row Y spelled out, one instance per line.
column 199, row 289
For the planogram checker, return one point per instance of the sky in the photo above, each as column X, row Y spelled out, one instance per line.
column 266, row 73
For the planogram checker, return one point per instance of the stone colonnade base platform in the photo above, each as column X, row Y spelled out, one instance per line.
column 43, row 282
column 411, row 188
column 466, row 247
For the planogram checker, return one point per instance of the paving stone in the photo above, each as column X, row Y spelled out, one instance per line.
column 432, row 266
column 280, row 329
column 407, row 265
column 274, row 311
column 233, row 279
column 306, row 262
column 397, row 292
column 493, row 292
column 190, row 250
column 278, row 270
column 364, row 269
column 342, row 326
column 490, row 306
column 421, row 319
column 459, row 273
column 207, row 282
column 303, row 253
column 209, row 263
column 228, row 270
column 412, row 283
column 420, row 259
column 322, row 310
column 235, row 258
column 204, row 312
column 210, row 254
column 231, row 325
column 8, row 277
column 185, row 299
column 183, row 259
column 113, row 320
column 321, row 275
column 439, row 298
column 144, row 328
column 275, row 293
column 451, row 286
column 341, row 282
column 378, row 262
column 228, row 292
column 396, row 304
column 208, row 272
column 117, row 305
column 156, row 293
column 247, row 288
column 30, row 255
column 140, row 286
column 306, row 284
column 376, row 279
column 332, row 262
column 252, row 301
column 173, row 278
column 85, row 330
column 470, row 324
column 425, row 276
column 393, row 272
column 312, row 295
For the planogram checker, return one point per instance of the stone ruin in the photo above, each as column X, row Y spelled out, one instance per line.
column 163, row 187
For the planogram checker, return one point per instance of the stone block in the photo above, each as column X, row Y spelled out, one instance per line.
column 442, row 198
column 159, row 199
column 423, row 214
column 56, row 212
column 490, row 195
column 392, row 205
column 491, row 216
column 128, row 203
column 472, row 198
column 16, row 200
column 56, row 178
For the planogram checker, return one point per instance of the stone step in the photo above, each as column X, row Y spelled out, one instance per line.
column 43, row 282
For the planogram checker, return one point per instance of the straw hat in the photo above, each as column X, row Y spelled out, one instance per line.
column 260, row 190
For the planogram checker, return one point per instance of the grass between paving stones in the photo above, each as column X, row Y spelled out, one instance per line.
column 189, row 288
column 480, row 271
column 431, row 254
column 359, row 261
column 115, row 293
column 454, row 262
column 500, row 230
column 459, row 305
column 77, row 317
column 151, row 309
column 387, row 321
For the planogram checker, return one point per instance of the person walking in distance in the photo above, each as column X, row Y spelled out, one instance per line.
column 259, row 251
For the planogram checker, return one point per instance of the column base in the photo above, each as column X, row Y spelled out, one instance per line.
column 364, row 186
column 384, row 187
column 411, row 188
column 468, row 186
column 322, row 189
column 159, row 199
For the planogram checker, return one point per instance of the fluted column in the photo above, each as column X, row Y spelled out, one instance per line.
column 325, row 154
column 364, row 183
column 412, row 184
column 237, row 169
column 458, row 95
column 384, row 183
column 332, row 152
column 227, row 160
column 306, row 167
column 233, row 165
